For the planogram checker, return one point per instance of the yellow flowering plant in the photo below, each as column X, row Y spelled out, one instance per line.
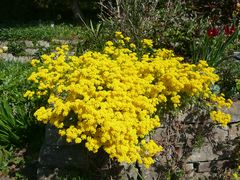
column 236, row 175
column 110, row 99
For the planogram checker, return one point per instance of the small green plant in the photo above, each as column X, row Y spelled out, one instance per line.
column 16, row 48
column 13, row 80
column 13, row 123
column 198, row 141
column 93, row 37
column 238, row 85
column 9, row 162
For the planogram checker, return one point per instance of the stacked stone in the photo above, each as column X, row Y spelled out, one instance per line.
column 32, row 49
column 215, row 153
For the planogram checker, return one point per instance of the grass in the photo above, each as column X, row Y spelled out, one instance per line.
column 38, row 31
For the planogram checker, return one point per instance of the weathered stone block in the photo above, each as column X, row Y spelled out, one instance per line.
column 60, row 41
column 205, row 153
column 3, row 43
column 70, row 156
column 189, row 167
column 150, row 173
column 7, row 57
column 30, row 51
column 43, row 44
column 234, row 131
column 210, row 166
column 52, row 138
column 234, row 111
column 220, row 133
column 29, row 44
column 23, row 58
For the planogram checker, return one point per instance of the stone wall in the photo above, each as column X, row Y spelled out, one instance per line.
column 196, row 157
column 26, row 50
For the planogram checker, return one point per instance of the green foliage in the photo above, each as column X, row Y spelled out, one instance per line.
column 178, row 174
column 171, row 24
column 16, row 48
column 16, row 118
column 177, row 24
column 13, row 82
column 133, row 17
column 213, row 49
column 93, row 37
column 14, row 122
column 229, row 73
column 198, row 141
column 238, row 85
column 9, row 162
column 17, row 125
column 45, row 31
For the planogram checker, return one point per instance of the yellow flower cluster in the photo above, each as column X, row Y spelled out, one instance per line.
column 220, row 103
column 110, row 99
column 220, row 117
column 147, row 43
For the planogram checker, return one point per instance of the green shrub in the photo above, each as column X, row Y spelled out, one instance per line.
column 171, row 24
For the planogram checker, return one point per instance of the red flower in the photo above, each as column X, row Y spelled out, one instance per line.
column 212, row 32
column 229, row 30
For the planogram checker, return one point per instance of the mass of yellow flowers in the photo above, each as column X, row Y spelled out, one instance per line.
column 109, row 99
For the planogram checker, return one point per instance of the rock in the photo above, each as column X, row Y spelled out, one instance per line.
column 210, row 166
column 70, row 156
column 189, row 167
column 205, row 153
column 204, row 167
column 128, row 172
column 7, row 57
column 157, row 135
column 234, row 131
column 150, row 173
column 74, row 42
column 234, row 111
column 31, row 52
column 64, row 157
column 52, row 138
column 23, row 58
column 201, row 176
column 43, row 44
column 220, row 133
column 29, row 44
column 60, row 42
column 3, row 43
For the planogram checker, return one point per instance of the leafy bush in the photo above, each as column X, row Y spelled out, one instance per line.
column 113, row 99
column 171, row 24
